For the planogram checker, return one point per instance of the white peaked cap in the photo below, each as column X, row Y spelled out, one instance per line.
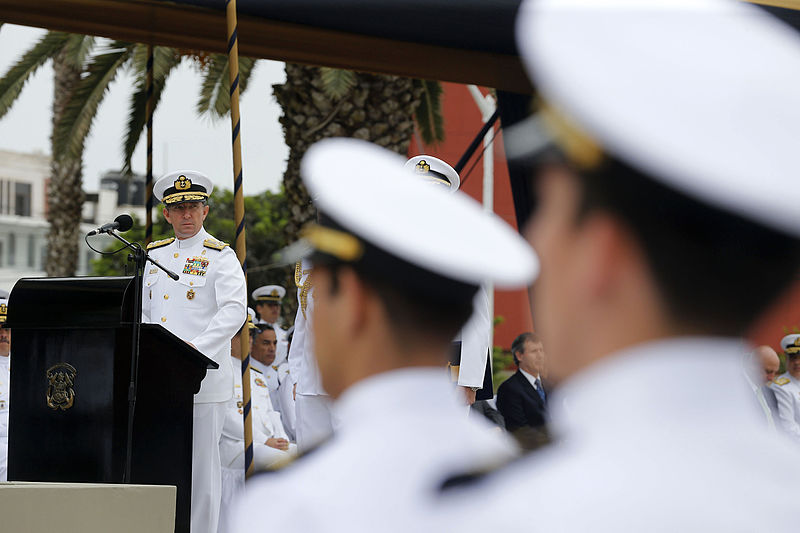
column 434, row 169
column 366, row 190
column 702, row 95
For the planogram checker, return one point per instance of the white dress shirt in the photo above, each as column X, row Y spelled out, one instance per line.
column 474, row 337
column 205, row 307
column 303, row 368
column 401, row 433
column 640, row 450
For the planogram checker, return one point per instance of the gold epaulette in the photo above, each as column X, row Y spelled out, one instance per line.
column 159, row 244
column 254, row 369
column 214, row 245
column 781, row 381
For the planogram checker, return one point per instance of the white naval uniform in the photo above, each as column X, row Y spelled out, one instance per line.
column 315, row 420
column 662, row 437
column 400, row 434
column 787, row 393
column 474, row 337
column 266, row 424
column 205, row 307
column 5, row 389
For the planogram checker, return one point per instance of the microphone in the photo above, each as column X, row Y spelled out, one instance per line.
column 123, row 223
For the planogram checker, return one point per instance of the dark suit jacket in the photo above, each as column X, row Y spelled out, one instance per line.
column 520, row 404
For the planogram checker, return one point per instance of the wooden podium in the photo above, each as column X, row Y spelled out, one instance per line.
column 70, row 380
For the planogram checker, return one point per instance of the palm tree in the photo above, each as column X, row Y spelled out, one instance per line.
column 82, row 76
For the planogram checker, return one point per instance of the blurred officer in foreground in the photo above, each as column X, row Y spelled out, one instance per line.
column 393, row 285
column 205, row 307
column 5, row 386
column 787, row 387
column 667, row 222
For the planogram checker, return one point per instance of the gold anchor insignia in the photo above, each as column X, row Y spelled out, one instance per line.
column 422, row 167
column 183, row 183
column 61, row 378
column 190, row 294
column 3, row 309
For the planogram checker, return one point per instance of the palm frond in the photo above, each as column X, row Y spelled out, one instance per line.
column 215, row 97
column 164, row 61
column 429, row 112
column 15, row 78
column 72, row 128
column 336, row 82
column 77, row 50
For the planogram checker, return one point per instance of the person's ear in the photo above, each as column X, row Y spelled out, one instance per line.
column 205, row 211
column 165, row 212
column 608, row 254
column 353, row 298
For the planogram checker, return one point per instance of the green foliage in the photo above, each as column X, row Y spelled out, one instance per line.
column 502, row 365
column 164, row 61
column 429, row 112
column 265, row 217
column 336, row 82
column 215, row 91
column 70, row 133
column 15, row 78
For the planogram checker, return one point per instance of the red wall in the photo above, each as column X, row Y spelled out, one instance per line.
column 462, row 121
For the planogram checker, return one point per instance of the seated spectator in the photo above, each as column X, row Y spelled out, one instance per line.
column 522, row 398
column 763, row 365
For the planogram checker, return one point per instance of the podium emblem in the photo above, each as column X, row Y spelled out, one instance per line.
column 61, row 378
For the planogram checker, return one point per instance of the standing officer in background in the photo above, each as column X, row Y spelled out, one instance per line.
column 666, row 223
column 787, row 388
column 393, row 285
column 470, row 355
column 267, row 301
column 5, row 386
column 205, row 307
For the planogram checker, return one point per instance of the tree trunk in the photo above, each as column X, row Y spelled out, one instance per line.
column 379, row 109
column 64, row 191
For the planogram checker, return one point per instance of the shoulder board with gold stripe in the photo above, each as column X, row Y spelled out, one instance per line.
column 159, row 244
column 254, row 369
column 781, row 381
column 214, row 245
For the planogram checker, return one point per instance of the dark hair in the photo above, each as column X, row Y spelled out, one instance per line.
column 518, row 345
column 412, row 314
column 715, row 272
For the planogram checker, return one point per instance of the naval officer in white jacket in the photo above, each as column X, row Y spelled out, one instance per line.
column 205, row 307
column 665, row 152
column 393, row 285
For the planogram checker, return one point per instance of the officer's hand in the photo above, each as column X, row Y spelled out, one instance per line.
column 469, row 394
column 294, row 392
column 280, row 444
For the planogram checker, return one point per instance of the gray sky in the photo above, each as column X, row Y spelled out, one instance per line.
column 180, row 138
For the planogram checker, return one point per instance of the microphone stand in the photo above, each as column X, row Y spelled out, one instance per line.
column 140, row 257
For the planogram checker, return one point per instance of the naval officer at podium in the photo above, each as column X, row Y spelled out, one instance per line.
column 205, row 307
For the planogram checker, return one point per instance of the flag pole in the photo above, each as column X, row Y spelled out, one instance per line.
column 238, row 216
column 148, row 184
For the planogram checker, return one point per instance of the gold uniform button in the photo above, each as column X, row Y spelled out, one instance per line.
column 191, row 283
column 176, row 254
column 163, row 319
column 166, row 296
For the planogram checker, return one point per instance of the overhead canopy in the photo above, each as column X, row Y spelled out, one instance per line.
column 466, row 41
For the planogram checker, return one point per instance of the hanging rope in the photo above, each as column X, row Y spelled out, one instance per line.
column 148, row 184
column 238, row 217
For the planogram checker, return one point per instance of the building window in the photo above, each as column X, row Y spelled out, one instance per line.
column 12, row 249
column 22, row 199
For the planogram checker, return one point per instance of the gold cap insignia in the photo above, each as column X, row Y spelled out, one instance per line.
column 274, row 292
column 422, row 167
column 183, row 183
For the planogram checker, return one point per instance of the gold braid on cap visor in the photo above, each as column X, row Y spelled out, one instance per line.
column 193, row 196
column 579, row 147
column 333, row 242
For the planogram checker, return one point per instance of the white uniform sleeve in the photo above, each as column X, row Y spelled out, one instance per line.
column 231, row 293
column 475, row 342
column 296, row 349
column 786, row 409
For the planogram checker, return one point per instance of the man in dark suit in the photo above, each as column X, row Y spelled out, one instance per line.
column 522, row 399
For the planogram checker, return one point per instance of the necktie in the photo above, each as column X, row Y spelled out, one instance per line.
column 540, row 389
